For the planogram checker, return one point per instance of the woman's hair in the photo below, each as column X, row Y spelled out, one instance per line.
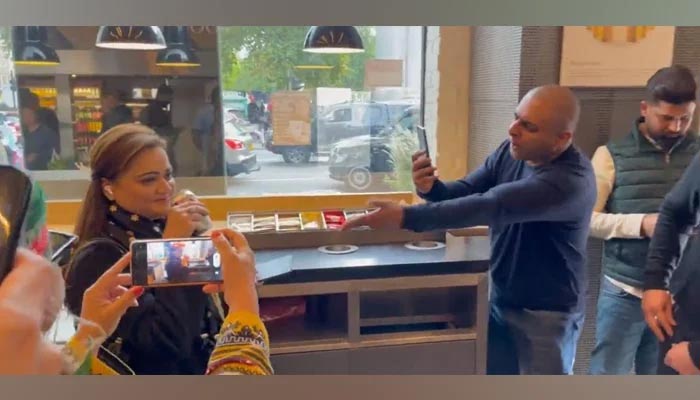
column 110, row 155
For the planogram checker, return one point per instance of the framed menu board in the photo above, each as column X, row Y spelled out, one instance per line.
column 614, row 56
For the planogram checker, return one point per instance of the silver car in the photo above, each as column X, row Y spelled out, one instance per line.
column 239, row 150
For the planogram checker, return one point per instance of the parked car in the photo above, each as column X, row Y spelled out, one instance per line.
column 236, row 126
column 361, row 160
column 239, row 151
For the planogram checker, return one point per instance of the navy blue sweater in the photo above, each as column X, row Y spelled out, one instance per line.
column 674, row 250
column 539, row 219
column 674, row 254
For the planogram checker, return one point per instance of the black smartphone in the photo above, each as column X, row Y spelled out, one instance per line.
column 15, row 193
column 184, row 262
column 422, row 140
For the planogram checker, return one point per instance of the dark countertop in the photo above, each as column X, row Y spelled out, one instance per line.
column 300, row 265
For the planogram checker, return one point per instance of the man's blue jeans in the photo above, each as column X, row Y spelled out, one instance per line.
column 623, row 338
column 532, row 342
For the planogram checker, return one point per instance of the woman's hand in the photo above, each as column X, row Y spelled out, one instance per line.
column 30, row 299
column 106, row 302
column 238, row 270
column 184, row 219
column 34, row 285
column 204, row 223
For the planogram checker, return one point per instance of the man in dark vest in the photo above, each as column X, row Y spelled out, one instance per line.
column 633, row 174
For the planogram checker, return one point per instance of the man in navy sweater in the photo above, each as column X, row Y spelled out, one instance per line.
column 536, row 192
column 671, row 301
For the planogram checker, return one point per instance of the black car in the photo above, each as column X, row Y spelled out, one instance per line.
column 362, row 160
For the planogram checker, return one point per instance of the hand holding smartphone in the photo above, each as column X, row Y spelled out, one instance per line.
column 15, row 193
column 184, row 262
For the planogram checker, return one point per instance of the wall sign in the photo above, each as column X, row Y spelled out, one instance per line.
column 614, row 56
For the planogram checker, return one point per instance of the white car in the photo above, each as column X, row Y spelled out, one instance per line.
column 239, row 149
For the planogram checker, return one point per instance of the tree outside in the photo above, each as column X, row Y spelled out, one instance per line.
column 265, row 58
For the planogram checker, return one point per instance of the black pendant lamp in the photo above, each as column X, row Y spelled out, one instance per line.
column 333, row 39
column 179, row 52
column 30, row 48
column 130, row 37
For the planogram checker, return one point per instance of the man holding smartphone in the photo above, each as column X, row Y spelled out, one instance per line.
column 536, row 192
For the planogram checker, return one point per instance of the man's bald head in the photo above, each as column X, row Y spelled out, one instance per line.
column 545, row 121
column 563, row 106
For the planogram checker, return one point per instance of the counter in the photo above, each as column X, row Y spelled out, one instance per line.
column 375, row 261
column 383, row 309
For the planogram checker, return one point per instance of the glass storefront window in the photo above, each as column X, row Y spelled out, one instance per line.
column 303, row 123
column 255, row 115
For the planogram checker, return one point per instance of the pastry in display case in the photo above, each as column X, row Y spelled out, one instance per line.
column 241, row 222
column 334, row 219
column 264, row 222
column 312, row 221
column 290, row 221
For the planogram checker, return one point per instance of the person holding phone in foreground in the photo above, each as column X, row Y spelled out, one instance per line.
column 536, row 192
column 32, row 294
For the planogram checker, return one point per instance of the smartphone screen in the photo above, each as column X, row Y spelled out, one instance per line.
column 186, row 262
column 15, row 192
column 422, row 140
column 175, row 262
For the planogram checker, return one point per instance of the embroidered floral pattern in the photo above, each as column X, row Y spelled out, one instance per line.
column 242, row 347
